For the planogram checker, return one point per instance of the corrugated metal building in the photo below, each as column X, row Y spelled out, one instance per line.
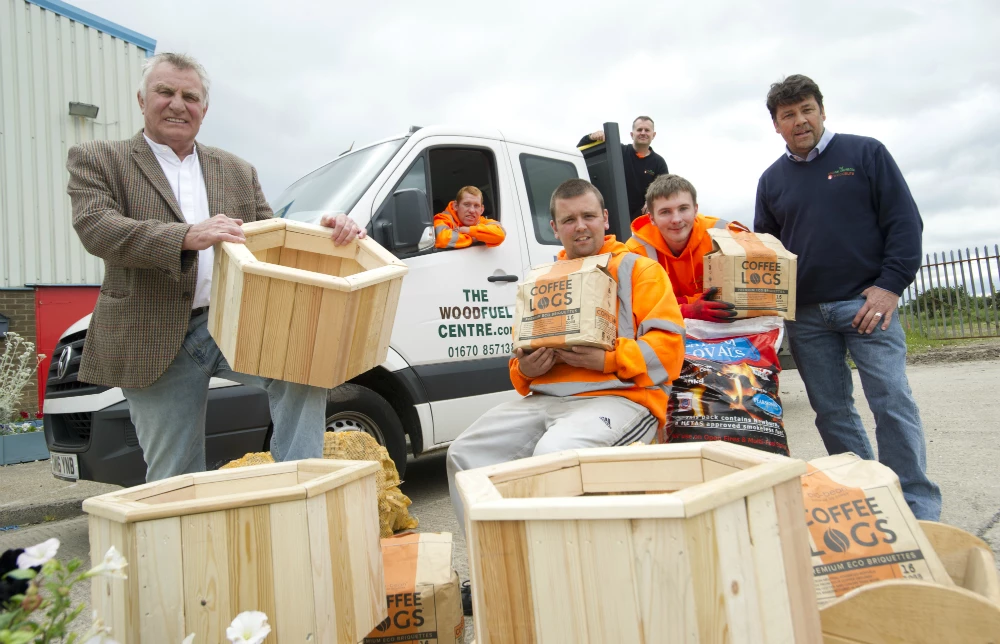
column 57, row 64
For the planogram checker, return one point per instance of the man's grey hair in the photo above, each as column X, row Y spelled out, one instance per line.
column 180, row 61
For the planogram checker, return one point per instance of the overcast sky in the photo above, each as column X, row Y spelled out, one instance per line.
column 295, row 82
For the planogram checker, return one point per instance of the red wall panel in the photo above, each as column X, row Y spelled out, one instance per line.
column 56, row 309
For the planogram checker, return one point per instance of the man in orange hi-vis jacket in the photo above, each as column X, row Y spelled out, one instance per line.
column 585, row 396
column 462, row 222
column 676, row 236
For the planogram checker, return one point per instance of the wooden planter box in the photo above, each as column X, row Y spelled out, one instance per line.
column 909, row 611
column 290, row 305
column 298, row 541
column 23, row 448
column 702, row 542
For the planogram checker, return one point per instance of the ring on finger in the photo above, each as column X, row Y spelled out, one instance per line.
column 878, row 315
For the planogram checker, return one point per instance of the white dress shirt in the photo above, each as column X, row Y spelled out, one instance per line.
column 188, row 184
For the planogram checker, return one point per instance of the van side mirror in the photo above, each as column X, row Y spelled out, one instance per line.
column 404, row 219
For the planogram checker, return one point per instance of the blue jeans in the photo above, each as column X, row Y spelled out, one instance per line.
column 169, row 415
column 820, row 338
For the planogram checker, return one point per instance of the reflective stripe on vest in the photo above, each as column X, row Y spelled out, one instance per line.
column 650, row 251
column 722, row 223
column 626, row 327
column 663, row 325
column 570, row 388
column 654, row 368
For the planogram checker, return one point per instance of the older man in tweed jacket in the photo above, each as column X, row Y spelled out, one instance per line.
column 145, row 206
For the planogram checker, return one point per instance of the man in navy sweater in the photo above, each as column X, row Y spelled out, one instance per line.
column 841, row 204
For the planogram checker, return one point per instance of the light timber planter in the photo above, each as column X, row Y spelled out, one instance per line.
column 906, row 611
column 290, row 305
column 703, row 542
column 298, row 541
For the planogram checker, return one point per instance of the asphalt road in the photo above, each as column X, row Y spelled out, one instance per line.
column 957, row 403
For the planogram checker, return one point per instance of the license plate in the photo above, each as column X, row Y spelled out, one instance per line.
column 64, row 466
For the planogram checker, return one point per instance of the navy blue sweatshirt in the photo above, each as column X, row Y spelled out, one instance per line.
column 848, row 215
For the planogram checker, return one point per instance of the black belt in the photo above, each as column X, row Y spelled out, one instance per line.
column 198, row 311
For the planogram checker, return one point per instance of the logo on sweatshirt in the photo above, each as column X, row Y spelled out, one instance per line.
column 841, row 172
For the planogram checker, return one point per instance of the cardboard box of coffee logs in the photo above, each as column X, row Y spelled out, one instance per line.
column 753, row 271
column 569, row 303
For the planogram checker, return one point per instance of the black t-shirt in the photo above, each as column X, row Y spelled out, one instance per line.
column 639, row 173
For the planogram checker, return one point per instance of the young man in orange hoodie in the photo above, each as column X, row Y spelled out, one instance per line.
column 676, row 236
column 462, row 222
column 585, row 396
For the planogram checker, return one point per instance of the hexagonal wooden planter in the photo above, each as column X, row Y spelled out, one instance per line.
column 298, row 541
column 290, row 305
column 703, row 542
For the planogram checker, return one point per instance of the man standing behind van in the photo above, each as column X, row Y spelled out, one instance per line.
column 675, row 234
column 840, row 203
column 462, row 222
column 641, row 163
column 586, row 396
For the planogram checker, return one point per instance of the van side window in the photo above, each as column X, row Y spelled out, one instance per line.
column 541, row 178
column 431, row 182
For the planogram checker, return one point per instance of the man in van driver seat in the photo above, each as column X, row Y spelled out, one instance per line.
column 462, row 222
column 586, row 396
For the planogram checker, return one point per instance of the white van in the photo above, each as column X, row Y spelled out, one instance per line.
column 448, row 358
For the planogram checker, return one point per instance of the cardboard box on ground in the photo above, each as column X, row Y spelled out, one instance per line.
column 568, row 303
column 754, row 272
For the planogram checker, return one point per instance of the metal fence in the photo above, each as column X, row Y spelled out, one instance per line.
column 954, row 296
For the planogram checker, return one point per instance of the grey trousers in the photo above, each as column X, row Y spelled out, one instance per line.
column 169, row 415
column 540, row 424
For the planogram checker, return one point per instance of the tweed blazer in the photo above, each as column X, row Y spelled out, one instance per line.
column 125, row 213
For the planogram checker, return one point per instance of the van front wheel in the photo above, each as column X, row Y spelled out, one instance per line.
column 352, row 407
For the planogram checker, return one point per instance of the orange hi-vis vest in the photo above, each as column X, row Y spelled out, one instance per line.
column 649, row 349
column 687, row 270
column 446, row 234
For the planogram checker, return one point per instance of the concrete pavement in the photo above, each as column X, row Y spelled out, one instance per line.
column 30, row 494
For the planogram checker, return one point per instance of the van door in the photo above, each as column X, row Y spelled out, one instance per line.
column 537, row 173
column 456, row 307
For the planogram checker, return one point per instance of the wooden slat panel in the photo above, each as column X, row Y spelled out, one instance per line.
column 640, row 453
column 287, row 257
column 564, row 482
column 330, row 342
column 699, row 533
column 274, row 344
column 359, row 340
column 308, row 261
column 251, row 331
column 712, row 470
column 737, row 576
column 273, row 255
column 374, row 328
column 769, row 563
column 302, row 331
column 329, row 265
column 160, row 579
column 505, row 582
column 265, row 241
column 797, row 555
column 316, row 244
column 322, row 571
column 208, row 607
column 610, row 602
column 232, row 314
column 98, row 530
column 665, row 588
column 639, row 476
column 217, row 300
column 557, row 589
column 251, row 574
column 293, row 584
column 389, row 318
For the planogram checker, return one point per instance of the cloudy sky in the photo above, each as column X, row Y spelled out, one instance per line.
column 295, row 82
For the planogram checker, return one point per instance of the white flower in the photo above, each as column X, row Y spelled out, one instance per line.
column 101, row 638
column 111, row 567
column 38, row 555
column 189, row 639
column 250, row 626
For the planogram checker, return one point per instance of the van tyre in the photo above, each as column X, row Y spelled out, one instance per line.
column 351, row 407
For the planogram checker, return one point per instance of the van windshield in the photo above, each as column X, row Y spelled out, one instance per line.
column 337, row 186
